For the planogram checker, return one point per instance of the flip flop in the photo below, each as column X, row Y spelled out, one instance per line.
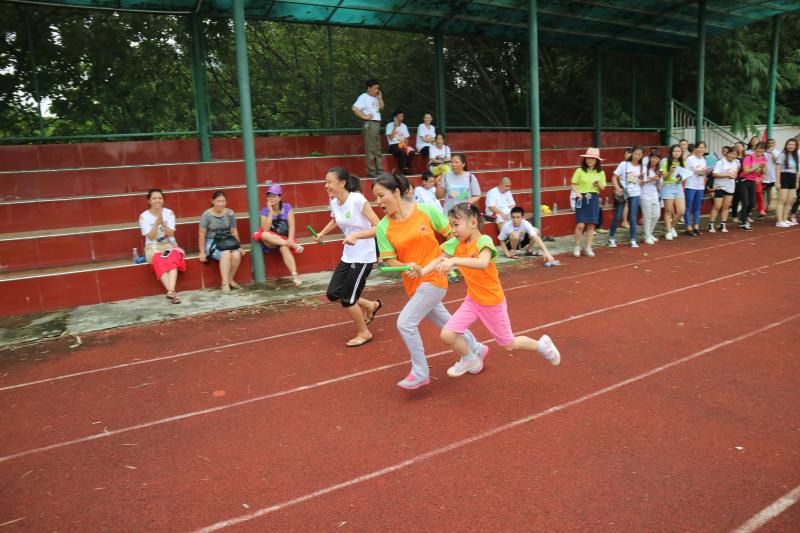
column 359, row 341
column 370, row 318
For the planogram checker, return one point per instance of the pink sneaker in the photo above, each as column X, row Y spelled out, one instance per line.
column 413, row 382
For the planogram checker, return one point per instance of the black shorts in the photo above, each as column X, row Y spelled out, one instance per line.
column 347, row 282
column 788, row 180
column 767, row 186
column 525, row 241
column 719, row 193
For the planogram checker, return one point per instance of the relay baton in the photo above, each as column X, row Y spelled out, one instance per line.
column 396, row 269
column 314, row 233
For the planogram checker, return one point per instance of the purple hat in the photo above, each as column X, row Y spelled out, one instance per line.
column 275, row 189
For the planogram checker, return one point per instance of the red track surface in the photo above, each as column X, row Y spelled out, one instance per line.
column 702, row 443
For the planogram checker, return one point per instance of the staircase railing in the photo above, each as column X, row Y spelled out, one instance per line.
column 684, row 122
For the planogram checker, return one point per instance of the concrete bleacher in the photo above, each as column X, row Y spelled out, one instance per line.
column 69, row 212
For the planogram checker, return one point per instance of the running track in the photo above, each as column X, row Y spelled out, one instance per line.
column 676, row 407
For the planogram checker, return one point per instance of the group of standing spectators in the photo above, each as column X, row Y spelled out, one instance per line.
column 740, row 181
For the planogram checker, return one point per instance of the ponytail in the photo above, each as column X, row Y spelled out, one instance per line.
column 393, row 182
column 351, row 183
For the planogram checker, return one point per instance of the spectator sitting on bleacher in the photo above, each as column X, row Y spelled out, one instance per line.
column 398, row 137
column 219, row 239
column 456, row 187
column 518, row 234
column 160, row 248
column 439, row 157
column 426, row 135
column 277, row 229
column 499, row 202
column 425, row 192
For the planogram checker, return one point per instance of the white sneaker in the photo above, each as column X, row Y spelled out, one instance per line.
column 793, row 221
column 723, row 228
column 634, row 244
column 549, row 350
column 668, row 236
column 612, row 243
column 576, row 252
column 649, row 240
column 589, row 252
column 674, row 233
column 471, row 363
column 711, row 228
column 783, row 225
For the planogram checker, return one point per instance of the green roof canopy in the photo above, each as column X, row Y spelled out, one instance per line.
column 641, row 26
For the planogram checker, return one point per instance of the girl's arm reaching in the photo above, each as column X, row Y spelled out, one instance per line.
column 479, row 263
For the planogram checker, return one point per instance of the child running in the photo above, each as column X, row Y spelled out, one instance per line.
column 475, row 254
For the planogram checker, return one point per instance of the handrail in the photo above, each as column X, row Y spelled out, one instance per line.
column 707, row 122
column 296, row 131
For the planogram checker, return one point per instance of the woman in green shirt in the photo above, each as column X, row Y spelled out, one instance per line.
column 587, row 182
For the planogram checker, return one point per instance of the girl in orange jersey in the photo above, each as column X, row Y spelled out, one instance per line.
column 475, row 254
column 407, row 236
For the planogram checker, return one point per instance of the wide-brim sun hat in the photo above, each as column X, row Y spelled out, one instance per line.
column 592, row 152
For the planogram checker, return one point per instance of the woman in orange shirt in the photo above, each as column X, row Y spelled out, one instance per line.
column 475, row 254
column 407, row 236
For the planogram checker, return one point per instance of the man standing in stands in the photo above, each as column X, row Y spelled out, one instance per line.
column 368, row 108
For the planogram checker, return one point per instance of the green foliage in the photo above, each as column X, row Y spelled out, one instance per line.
column 102, row 72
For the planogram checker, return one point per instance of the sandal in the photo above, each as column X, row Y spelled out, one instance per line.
column 369, row 318
column 299, row 249
column 234, row 285
column 357, row 341
column 296, row 279
column 226, row 289
column 173, row 298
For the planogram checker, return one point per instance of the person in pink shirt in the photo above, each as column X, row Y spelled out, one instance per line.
column 754, row 167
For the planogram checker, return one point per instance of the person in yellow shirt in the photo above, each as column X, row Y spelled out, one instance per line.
column 588, row 182
column 407, row 237
column 475, row 254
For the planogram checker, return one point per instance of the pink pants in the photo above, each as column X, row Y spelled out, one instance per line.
column 494, row 317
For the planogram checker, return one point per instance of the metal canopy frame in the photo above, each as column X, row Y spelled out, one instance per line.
column 641, row 27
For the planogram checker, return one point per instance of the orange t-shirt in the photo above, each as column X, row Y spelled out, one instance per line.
column 483, row 286
column 413, row 240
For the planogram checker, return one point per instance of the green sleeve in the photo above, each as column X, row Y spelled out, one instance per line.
column 486, row 242
column 576, row 176
column 602, row 179
column 449, row 246
column 384, row 245
column 438, row 220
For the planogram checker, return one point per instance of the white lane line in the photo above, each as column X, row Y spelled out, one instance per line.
column 486, row 434
column 771, row 511
column 224, row 407
column 335, row 324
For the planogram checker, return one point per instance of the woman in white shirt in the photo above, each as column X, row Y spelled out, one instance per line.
column 160, row 248
column 439, row 157
column 725, row 172
column 426, row 135
column 627, row 190
column 398, row 137
column 651, row 203
column 694, row 188
column 351, row 211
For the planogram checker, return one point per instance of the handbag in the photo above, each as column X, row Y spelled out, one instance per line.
column 624, row 196
column 224, row 241
column 280, row 226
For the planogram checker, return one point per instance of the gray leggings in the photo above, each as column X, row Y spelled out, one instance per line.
column 426, row 303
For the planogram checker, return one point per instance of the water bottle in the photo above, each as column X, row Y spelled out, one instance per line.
column 135, row 255
column 579, row 201
column 555, row 208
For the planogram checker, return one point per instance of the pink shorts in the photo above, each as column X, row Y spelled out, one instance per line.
column 494, row 317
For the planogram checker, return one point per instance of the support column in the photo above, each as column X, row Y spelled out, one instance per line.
column 200, row 85
column 246, row 116
column 533, row 60
column 34, row 68
column 441, row 118
column 701, row 69
column 598, row 98
column 667, row 140
column 634, row 75
column 332, row 76
column 773, row 73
